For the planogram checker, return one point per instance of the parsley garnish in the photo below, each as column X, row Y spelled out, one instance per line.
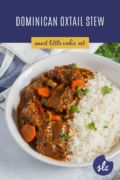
column 106, row 126
column 74, row 108
column 110, row 50
column 85, row 91
column 22, row 122
column 43, row 100
column 88, row 113
column 91, row 109
column 92, row 126
column 64, row 136
column 79, row 90
column 106, row 90
column 74, row 65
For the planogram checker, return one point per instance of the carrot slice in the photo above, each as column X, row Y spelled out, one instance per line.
column 77, row 82
column 56, row 118
column 28, row 132
column 44, row 92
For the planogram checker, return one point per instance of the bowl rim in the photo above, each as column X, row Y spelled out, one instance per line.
column 19, row 140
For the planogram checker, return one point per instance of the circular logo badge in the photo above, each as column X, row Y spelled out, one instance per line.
column 102, row 166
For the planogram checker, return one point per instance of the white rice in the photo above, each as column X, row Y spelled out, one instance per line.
column 103, row 110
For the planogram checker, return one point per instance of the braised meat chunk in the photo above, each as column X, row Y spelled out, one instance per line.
column 61, row 98
column 66, row 74
column 50, row 140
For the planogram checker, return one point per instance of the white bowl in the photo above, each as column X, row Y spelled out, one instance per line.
column 94, row 62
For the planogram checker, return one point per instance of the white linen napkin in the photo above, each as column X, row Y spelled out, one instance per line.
column 25, row 53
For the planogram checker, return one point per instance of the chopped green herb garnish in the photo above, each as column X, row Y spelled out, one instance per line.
column 64, row 136
column 74, row 108
column 68, row 81
column 88, row 113
column 106, row 126
column 22, row 121
column 74, row 65
column 79, row 90
column 43, row 100
column 92, row 126
column 110, row 50
column 85, row 91
column 63, row 115
column 106, row 90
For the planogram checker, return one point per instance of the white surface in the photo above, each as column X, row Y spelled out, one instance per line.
column 15, row 164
